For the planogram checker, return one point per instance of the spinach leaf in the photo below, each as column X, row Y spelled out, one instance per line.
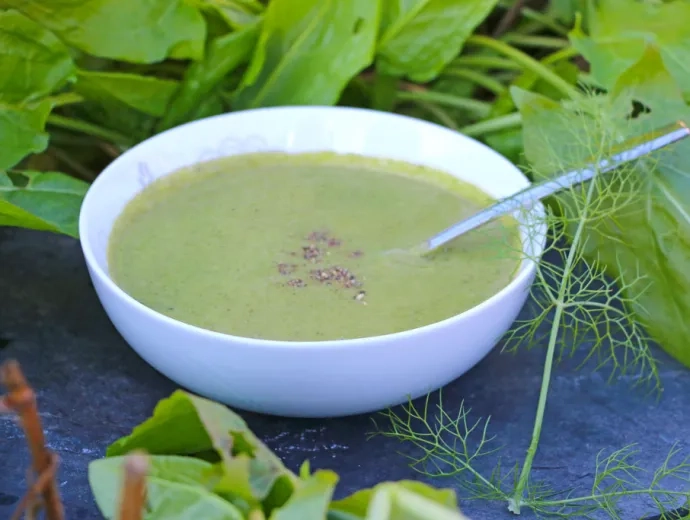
column 396, row 500
column 621, row 30
column 111, row 113
column 48, row 201
column 310, row 500
column 22, row 129
column 249, row 469
column 420, row 37
column 307, row 52
column 175, row 488
column 646, row 241
column 34, row 62
column 224, row 55
column 358, row 503
column 566, row 10
column 179, row 414
column 392, row 502
column 146, row 94
column 238, row 14
column 137, row 31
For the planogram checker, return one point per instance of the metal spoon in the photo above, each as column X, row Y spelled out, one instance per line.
column 632, row 149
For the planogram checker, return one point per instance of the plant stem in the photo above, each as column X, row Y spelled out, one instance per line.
column 527, row 62
column 496, row 124
column 516, row 501
column 608, row 496
column 22, row 400
column 68, row 98
column 483, row 80
column 478, row 108
column 133, row 495
column 439, row 114
column 78, row 125
column 539, row 42
column 560, row 55
column 545, row 20
column 487, row 62
column 81, row 170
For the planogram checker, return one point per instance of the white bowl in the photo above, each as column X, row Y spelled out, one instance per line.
column 306, row 379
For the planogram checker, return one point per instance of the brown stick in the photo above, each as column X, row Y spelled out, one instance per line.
column 134, row 488
column 28, row 502
column 22, row 400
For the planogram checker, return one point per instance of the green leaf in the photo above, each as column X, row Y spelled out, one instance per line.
column 650, row 235
column 212, row 105
column 621, row 30
column 305, row 470
column 310, row 499
column 248, row 467
column 33, row 60
column 112, row 114
column 238, row 14
column 307, row 52
column 22, row 130
column 530, row 81
column 649, row 82
column 359, row 502
column 175, row 488
column 47, row 201
column 398, row 500
column 146, row 94
column 138, row 31
column 223, row 56
column 420, row 37
column 565, row 10
column 178, row 414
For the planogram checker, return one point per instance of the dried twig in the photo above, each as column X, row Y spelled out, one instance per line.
column 134, row 487
column 21, row 399
column 29, row 502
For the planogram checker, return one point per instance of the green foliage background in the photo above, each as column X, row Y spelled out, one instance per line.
column 83, row 80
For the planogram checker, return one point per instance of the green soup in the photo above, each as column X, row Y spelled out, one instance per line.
column 302, row 247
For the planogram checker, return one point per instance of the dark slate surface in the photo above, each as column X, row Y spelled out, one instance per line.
column 92, row 389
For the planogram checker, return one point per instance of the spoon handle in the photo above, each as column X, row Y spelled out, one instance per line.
column 633, row 149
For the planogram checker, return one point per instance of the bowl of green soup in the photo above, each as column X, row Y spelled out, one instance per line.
column 255, row 257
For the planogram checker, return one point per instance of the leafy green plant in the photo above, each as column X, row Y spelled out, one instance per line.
column 618, row 243
column 213, row 467
column 85, row 88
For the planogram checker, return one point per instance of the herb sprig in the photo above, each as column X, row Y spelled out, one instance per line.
column 582, row 295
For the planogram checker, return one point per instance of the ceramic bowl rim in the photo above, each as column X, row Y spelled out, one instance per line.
column 137, row 307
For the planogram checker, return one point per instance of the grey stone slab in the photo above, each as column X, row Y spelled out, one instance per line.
column 93, row 388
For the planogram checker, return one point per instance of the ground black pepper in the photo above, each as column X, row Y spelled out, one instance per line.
column 332, row 275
